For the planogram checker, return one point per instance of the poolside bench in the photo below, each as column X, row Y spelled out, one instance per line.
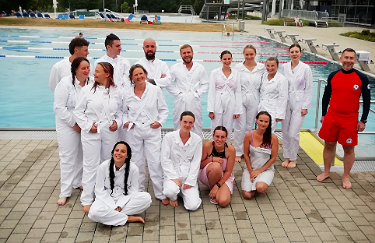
column 280, row 34
column 320, row 23
column 288, row 21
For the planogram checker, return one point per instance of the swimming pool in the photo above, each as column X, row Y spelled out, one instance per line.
column 27, row 56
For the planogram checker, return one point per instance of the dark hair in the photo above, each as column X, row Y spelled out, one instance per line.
column 109, row 39
column 295, row 45
column 273, row 59
column 127, row 167
column 225, row 52
column 132, row 68
column 267, row 136
column 75, row 64
column 221, row 128
column 108, row 68
column 250, row 47
column 349, row 50
column 187, row 113
column 77, row 43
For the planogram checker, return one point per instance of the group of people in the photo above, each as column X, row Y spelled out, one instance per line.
column 119, row 102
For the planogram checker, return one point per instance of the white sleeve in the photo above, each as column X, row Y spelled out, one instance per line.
column 238, row 95
column 124, row 110
column 79, row 112
column 172, row 88
column 163, row 82
column 59, row 106
column 307, row 97
column 100, row 191
column 204, row 82
column 283, row 98
column 195, row 165
column 211, row 93
column 166, row 162
column 118, row 114
column 162, row 107
column 54, row 78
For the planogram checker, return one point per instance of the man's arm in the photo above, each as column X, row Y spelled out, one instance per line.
column 366, row 95
column 327, row 95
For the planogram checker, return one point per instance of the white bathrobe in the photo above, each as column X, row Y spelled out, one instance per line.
column 121, row 67
column 155, row 69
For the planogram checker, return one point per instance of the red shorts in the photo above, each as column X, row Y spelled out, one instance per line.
column 342, row 129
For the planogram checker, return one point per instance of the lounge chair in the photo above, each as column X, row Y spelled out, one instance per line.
column 102, row 15
column 66, row 16
column 130, row 16
column 144, row 20
column 82, row 17
column 25, row 15
column 60, row 16
column 4, row 13
column 32, row 15
column 18, row 15
column 71, row 16
column 39, row 15
column 47, row 16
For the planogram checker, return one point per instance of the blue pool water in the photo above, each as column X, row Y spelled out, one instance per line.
column 26, row 100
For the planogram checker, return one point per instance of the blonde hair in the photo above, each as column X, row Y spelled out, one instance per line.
column 250, row 47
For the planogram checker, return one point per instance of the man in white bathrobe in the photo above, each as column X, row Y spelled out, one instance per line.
column 78, row 47
column 157, row 70
column 181, row 155
column 188, row 82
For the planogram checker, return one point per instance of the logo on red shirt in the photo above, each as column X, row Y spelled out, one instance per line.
column 356, row 86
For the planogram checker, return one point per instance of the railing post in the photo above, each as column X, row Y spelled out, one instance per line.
column 317, row 104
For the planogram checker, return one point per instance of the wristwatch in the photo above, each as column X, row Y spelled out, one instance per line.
column 218, row 184
column 364, row 121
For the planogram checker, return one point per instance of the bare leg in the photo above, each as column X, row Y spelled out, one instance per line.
column 261, row 187
column 86, row 208
column 238, row 159
column 328, row 156
column 173, row 203
column 214, row 173
column 62, row 201
column 248, row 195
column 292, row 164
column 135, row 219
column 285, row 163
column 165, row 201
column 349, row 157
column 223, row 196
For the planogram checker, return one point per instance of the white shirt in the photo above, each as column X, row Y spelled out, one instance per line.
column 121, row 67
column 103, row 185
column 251, row 80
column 300, row 82
column 155, row 68
column 274, row 95
column 146, row 110
column 181, row 161
column 59, row 70
column 98, row 106
column 66, row 96
column 220, row 84
column 182, row 80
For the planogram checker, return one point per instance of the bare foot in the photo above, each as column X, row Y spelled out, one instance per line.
column 322, row 177
column 135, row 219
column 285, row 163
column 292, row 164
column 86, row 208
column 248, row 195
column 346, row 184
column 173, row 203
column 238, row 159
column 165, row 201
column 61, row 201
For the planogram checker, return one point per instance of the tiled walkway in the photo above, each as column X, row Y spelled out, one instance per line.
column 296, row 207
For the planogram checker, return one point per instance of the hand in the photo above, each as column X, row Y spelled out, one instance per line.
column 322, row 119
column 361, row 126
column 155, row 125
column 254, row 174
column 235, row 116
column 113, row 127
column 127, row 124
column 163, row 76
column 93, row 129
column 76, row 128
column 278, row 120
column 187, row 186
column 213, row 191
column 178, row 182
column 118, row 209
column 211, row 115
column 217, row 160
column 304, row 112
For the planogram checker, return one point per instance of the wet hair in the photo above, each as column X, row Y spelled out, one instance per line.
column 250, row 47
column 221, row 128
column 187, row 113
column 186, row 46
column 75, row 64
column 108, row 68
column 273, row 59
column 77, row 43
column 127, row 167
column 349, row 50
column 295, row 45
column 225, row 52
column 132, row 68
column 267, row 136
column 109, row 40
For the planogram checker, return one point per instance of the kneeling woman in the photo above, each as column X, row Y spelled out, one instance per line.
column 260, row 152
column 116, row 190
column 216, row 170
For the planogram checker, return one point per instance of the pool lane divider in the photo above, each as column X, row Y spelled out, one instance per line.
column 163, row 59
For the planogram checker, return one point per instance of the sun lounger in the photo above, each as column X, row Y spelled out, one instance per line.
column 25, row 15
column 71, row 16
column 18, row 15
column 82, row 17
column 60, row 16
column 32, row 15
column 47, row 16
column 39, row 15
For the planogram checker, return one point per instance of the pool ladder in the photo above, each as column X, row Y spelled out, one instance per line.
column 224, row 30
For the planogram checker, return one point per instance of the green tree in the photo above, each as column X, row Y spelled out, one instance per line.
column 125, row 7
column 198, row 5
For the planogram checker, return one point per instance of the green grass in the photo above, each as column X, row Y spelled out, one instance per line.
column 364, row 35
column 246, row 17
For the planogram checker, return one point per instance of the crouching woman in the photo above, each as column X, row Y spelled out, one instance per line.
column 117, row 198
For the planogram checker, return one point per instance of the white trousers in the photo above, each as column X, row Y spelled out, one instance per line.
column 188, row 102
column 245, row 122
column 102, row 213
column 191, row 198
column 145, row 141
column 224, row 111
column 291, row 127
column 96, row 148
column 71, row 160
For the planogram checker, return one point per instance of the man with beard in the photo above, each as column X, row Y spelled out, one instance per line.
column 188, row 82
column 120, row 64
column 340, row 122
column 157, row 70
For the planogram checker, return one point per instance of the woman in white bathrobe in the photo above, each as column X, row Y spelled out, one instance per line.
column 117, row 198
column 273, row 92
column 224, row 95
column 98, row 113
column 145, row 111
column 68, row 131
column 300, row 86
column 260, row 152
column 251, row 73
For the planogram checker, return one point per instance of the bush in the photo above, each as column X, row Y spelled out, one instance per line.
column 365, row 32
column 333, row 23
column 358, row 35
column 274, row 22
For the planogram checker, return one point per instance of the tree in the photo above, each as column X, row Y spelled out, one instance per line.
column 125, row 7
column 198, row 5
